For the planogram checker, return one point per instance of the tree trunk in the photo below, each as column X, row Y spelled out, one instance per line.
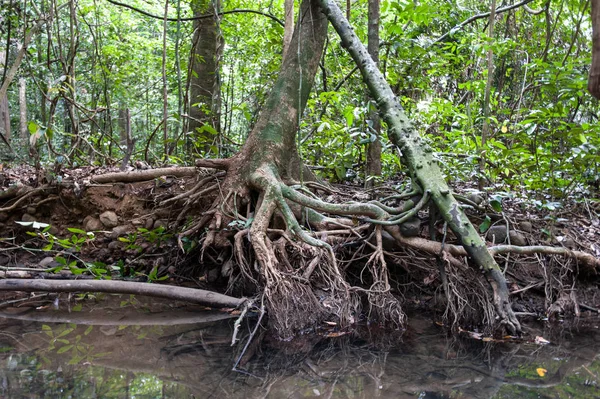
column 485, row 131
column 594, row 77
column 5, row 118
column 373, row 166
column 423, row 167
column 4, row 109
column 289, row 26
column 203, row 80
column 23, row 109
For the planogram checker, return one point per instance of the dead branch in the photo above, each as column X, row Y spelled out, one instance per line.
column 143, row 175
column 435, row 247
column 193, row 295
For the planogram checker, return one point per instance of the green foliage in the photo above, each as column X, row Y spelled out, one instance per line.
column 544, row 131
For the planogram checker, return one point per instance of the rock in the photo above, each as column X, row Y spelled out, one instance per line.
column 496, row 234
column 527, row 227
column 120, row 231
column 48, row 261
column 569, row 243
column 115, row 245
column 411, row 228
column 109, row 219
column 475, row 198
column 388, row 242
column 27, row 218
column 517, row 238
column 149, row 223
column 213, row 275
column 90, row 223
column 31, row 210
column 160, row 223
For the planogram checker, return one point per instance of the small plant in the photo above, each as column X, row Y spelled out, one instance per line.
column 75, row 242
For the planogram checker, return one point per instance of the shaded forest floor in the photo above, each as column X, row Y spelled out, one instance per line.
column 135, row 237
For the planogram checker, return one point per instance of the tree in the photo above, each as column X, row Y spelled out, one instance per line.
column 203, row 78
column 264, row 181
column 594, row 77
column 374, row 147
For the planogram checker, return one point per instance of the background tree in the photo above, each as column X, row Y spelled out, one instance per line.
column 203, row 79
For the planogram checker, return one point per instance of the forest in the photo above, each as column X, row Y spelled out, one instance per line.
column 313, row 162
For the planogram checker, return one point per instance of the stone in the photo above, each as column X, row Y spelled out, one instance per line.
column 496, row 234
column 478, row 199
column 411, row 228
column 90, row 223
column 31, row 210
column 160, row 223
column 115, row 245
column 27, row 218
column 517, row 238
column 109, row 219
column 120, row 231
column 149, row 223
column 48, row 261
column 527, row 227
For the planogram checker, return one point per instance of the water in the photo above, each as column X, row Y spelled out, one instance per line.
column 129, row 348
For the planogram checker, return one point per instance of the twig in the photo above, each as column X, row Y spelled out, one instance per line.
column 273, row 17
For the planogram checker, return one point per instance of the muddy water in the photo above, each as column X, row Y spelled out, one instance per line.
column 128, row 348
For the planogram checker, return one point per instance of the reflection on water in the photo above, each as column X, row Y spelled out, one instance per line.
column 133, row 349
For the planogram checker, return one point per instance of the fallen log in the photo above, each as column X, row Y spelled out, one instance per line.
column 201, row 297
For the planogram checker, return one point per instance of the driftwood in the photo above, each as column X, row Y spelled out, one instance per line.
column 192, row 295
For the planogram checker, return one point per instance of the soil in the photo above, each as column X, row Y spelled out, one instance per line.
column 135, row 238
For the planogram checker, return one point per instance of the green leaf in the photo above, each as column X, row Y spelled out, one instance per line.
column 76, row 231
column 485, row 224
column 33, row 127
column 64, row 349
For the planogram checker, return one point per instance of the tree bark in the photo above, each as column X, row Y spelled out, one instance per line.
column 373, row 165
column 203, row 80
column 485, row 131
column 289, row 26
column 23, row 108
column 594, row 76
column 423, row 167
column 4, row 107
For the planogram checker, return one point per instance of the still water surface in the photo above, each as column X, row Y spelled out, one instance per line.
column 127, row 348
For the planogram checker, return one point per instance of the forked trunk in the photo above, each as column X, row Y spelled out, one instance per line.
column 273, row 139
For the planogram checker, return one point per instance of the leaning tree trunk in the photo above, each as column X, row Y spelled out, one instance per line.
column 423, row 166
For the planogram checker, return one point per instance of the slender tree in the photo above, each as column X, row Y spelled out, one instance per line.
column 203, row 108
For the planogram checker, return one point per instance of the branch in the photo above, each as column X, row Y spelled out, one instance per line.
column 476, row 17
column 435, row 247
column 201, row 297
column 143, row 175
column 237, row 11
